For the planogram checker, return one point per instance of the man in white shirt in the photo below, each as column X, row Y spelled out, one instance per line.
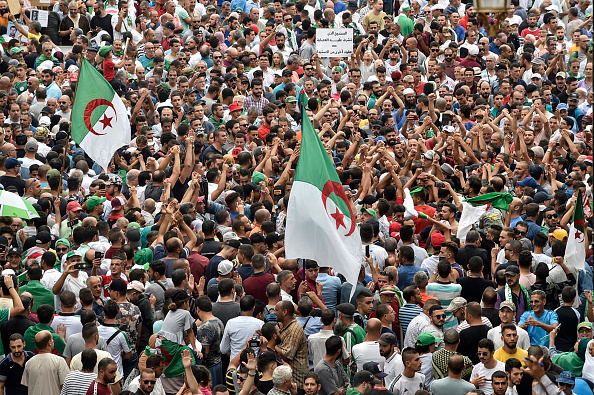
column 507, row 313
column 418, row 324
column 482, row 372
column 393, row 365
column 368, row 350
column 241, row 328
column 410, row 381
column 316, row 342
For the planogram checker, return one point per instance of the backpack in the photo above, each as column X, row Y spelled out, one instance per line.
column 269, row 316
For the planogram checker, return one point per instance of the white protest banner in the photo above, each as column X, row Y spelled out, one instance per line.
column 334, row 42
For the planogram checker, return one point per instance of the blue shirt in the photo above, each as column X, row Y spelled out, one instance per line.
column 331, row 289
column 538, row 336
column 533, row 229
column 406, row 274
column 53, row 91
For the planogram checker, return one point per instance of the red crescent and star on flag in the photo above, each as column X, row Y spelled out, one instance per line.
column 105, row 120
column 338, row 216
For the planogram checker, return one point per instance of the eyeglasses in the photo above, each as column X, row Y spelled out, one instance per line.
column 149, row 381
column 550, row 216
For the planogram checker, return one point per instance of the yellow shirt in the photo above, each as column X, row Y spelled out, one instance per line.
column 503, row 356
column 374, row 18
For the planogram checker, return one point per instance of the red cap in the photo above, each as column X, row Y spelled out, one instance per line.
column 395, row 230
column 437, row 239
column 116, row 203
column 235, row 107
column 74, row 206
column 236, row 152
column 255, row 29
column 396, row 75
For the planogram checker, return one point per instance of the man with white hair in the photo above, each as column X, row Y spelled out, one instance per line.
column 282, row 379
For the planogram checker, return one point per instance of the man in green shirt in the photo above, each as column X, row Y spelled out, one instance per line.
column 45, row 313
column 406, row 24
column 41, row 295
column 363, row 383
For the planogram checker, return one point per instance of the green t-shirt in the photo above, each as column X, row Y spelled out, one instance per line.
column 21, row 87
column 29, row 336
column 406, row 25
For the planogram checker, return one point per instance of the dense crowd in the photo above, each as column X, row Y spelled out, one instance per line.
column 166, row 273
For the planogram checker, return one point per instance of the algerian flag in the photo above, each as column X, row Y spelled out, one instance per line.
column 470, row 215
column 320, row 219
column 100, row 122
column 496, row 199
column 408, row 204
column 575, row 252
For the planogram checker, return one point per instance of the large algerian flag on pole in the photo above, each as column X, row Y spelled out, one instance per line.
column 100, row 122
column 320, row 220
column 575, row 251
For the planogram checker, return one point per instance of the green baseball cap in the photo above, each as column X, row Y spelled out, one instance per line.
column 52, row 173
column 369, row 211
column 104, row 50
column 64, row 242
column 73, row 253
column 427, row 339
column 290, row 99
column 585, row 325
column 134, row 225
column 15, row 50
column 94, row 201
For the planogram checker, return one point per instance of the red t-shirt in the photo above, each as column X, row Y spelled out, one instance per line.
column 527, row 31
column 108, row 69
column 263, row 131
column 106, row 280
column 421, row 223
column 102, row 389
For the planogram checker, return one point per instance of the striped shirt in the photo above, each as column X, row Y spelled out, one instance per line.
column 445, row 292
column 406, row 315
column 77, row 383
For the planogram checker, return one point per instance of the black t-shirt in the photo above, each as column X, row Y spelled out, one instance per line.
column 492, row 315
column 567, row 334
column 473, row 288
column 264, row 386
column 470, row 338
column 103, row 22
column 16, row 182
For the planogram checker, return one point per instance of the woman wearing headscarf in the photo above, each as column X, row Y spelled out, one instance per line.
column 573, row 361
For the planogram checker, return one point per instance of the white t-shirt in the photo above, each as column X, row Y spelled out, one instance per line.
column 403, row 385
column 367, row 351
column 480, row 370
column 393, row 367
column 523, row 338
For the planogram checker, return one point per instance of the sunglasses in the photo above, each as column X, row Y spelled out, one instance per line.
column 61, row 249
column 520, row 233
column 239, row 378
column 149, row 381
column 308, row 69
column 482, row 353
column 552, row 216
column 217, row 57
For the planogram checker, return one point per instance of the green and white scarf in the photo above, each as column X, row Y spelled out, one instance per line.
column 508, row 295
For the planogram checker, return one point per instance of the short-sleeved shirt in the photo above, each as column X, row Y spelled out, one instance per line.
column 99, row 389
column 332, row 377
column 108, row 69
column 536, row 333
column 119, row 343
column 403, row 385
column 449, row 386
column 11, row 373
column 174, row 325
column 128, row 320
column 210, row 333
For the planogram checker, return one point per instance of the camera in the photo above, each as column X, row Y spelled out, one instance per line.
column 254, row 342
column 83, row 266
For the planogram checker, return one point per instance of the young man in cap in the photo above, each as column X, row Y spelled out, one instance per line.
column 363, row 383
column 566, row 382
column 72, row 279
column 95, row 207
column 393, row 365
column 507, row 314
column 513, row 291
column 11, row 177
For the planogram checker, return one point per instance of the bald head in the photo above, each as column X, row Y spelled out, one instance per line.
column 43, row 341
column 374, row 327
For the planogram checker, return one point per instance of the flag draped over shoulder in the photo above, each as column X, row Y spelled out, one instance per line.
column 496, row 199
column 575, row 252
column 320, row 219
column 100, row 122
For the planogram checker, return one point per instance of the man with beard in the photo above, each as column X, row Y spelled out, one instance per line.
column 509, row 350
column 333, row 378
column 482, row 372
column 514, row 371
column 13, row 366
column 106, row 374
column 532, row 28
column 393, row 365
